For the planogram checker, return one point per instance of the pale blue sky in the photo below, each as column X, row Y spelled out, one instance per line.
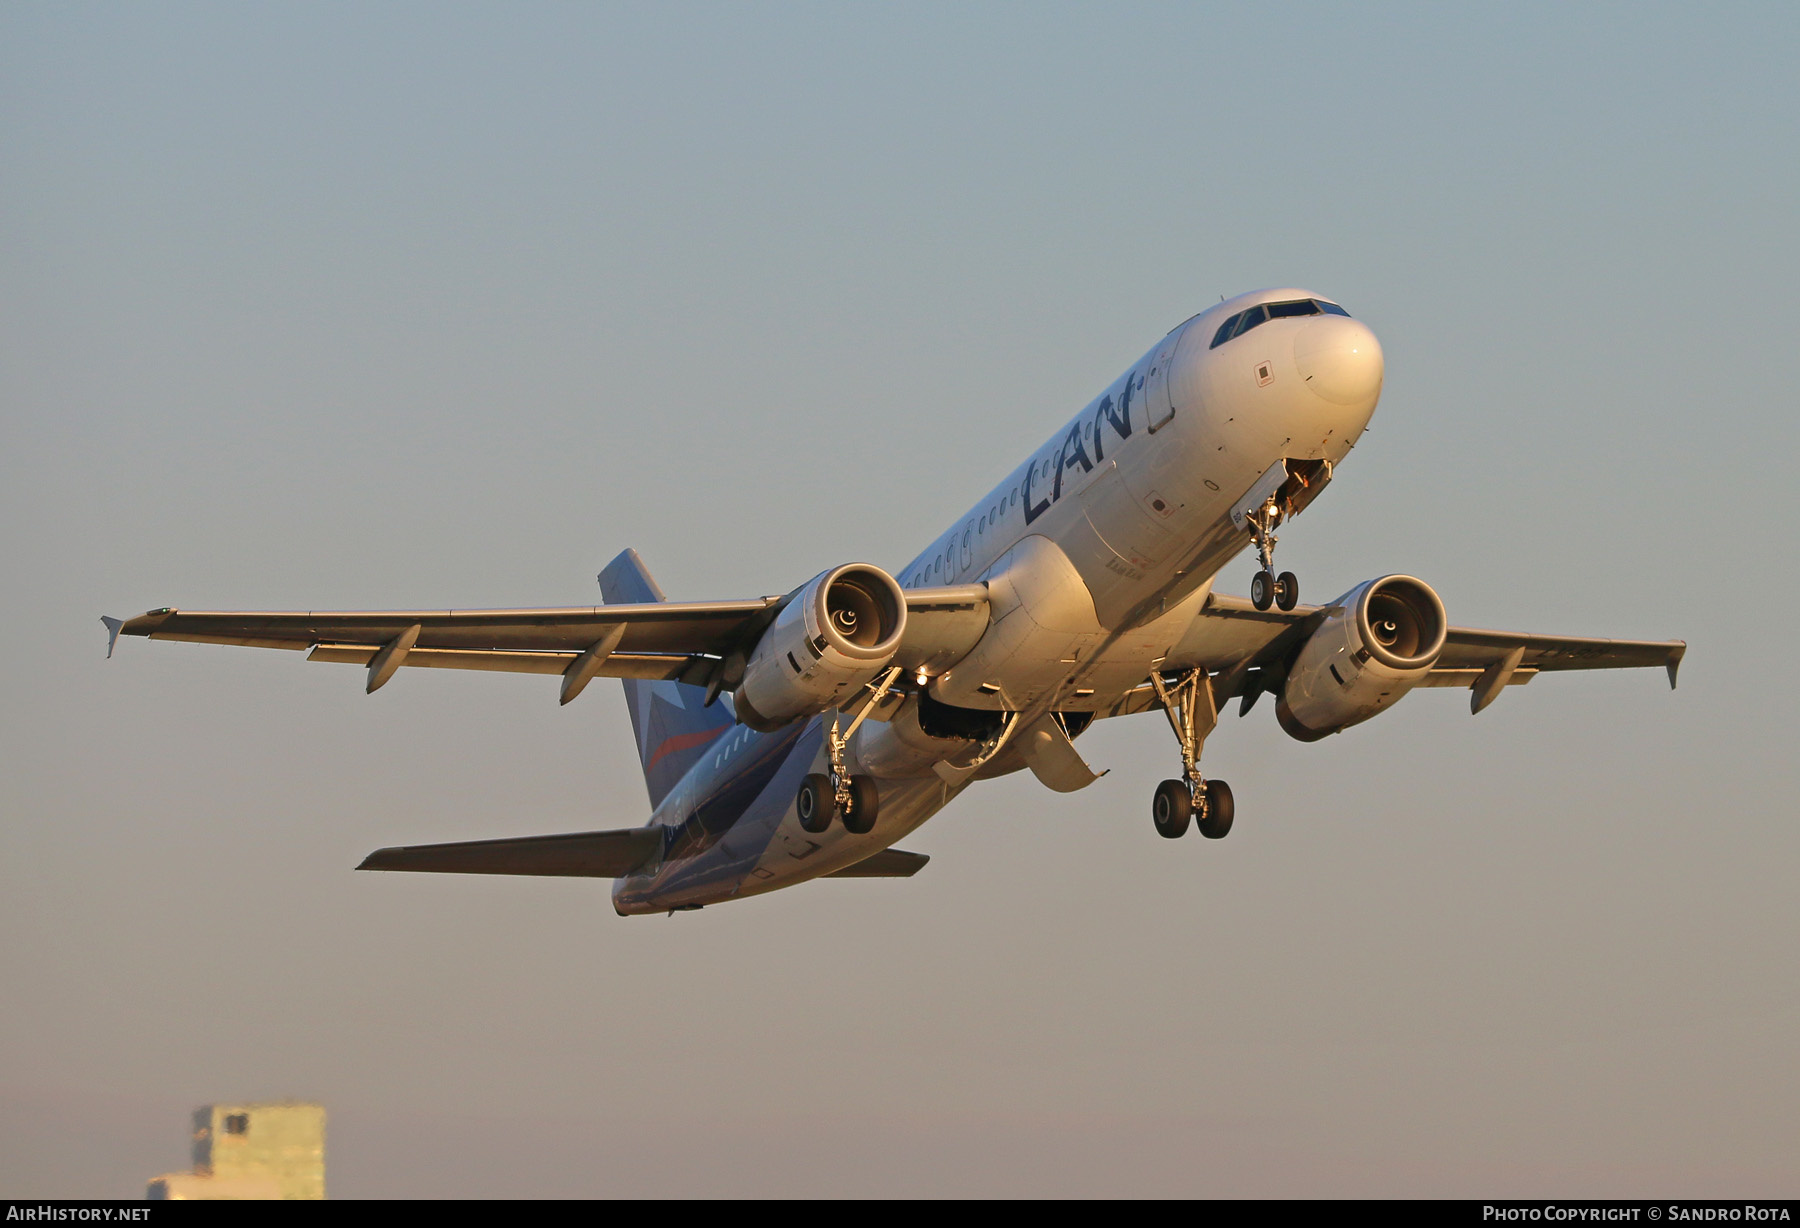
column 319, row 306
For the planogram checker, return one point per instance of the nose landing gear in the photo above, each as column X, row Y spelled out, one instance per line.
column 1208, row 804
column 1267, row 588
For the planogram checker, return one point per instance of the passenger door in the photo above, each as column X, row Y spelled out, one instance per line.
column 1158, row 406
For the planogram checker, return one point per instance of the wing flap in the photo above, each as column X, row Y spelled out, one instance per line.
column 654, row 667
column 663, row 627
column 589, row 854
column 1469, row 677
column 240, row 641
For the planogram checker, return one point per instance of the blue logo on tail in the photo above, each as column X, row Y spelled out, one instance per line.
column 674, row 728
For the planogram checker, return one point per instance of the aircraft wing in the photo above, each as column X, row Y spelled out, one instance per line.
column 677, row 641
column 1469, row 651
column 1246, row 649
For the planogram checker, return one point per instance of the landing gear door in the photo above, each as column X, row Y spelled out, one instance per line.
column 1157, row 402
column 1291, row 483
column 1253, row 499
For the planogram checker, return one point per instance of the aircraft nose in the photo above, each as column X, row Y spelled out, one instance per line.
column 1339, row 360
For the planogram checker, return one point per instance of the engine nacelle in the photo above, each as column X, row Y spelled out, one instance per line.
column 834, row 635
column 1379, row 643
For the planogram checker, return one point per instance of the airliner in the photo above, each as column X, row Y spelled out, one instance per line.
column 799, row 736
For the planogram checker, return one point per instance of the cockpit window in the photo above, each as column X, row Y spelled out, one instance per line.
column 1244, row 321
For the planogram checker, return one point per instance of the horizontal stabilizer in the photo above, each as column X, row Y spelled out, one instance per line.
column 587, row 854
column 888, row 863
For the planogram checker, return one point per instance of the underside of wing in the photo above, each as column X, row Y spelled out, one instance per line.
column 1229, row 631
column 1470, row 651
column 692, row 642
column 1244, row 649
column 659, row 628
column 1248, row 650
column 591, row 854
column 680, row 641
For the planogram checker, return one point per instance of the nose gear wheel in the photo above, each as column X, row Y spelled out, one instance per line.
column 1266, row 588
column 1287, row 590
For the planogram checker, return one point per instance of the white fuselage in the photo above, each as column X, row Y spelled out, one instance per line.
column 1097, row 551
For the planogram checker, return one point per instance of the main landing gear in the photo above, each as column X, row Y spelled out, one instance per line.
column 1267, row 588
column 838, row 794
column 817, row 804
column 1207, row 804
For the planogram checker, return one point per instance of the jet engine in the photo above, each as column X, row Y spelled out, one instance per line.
column 1379, row 641
column 837, row 633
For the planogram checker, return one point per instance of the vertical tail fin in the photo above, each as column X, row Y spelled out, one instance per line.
column 673, row 725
